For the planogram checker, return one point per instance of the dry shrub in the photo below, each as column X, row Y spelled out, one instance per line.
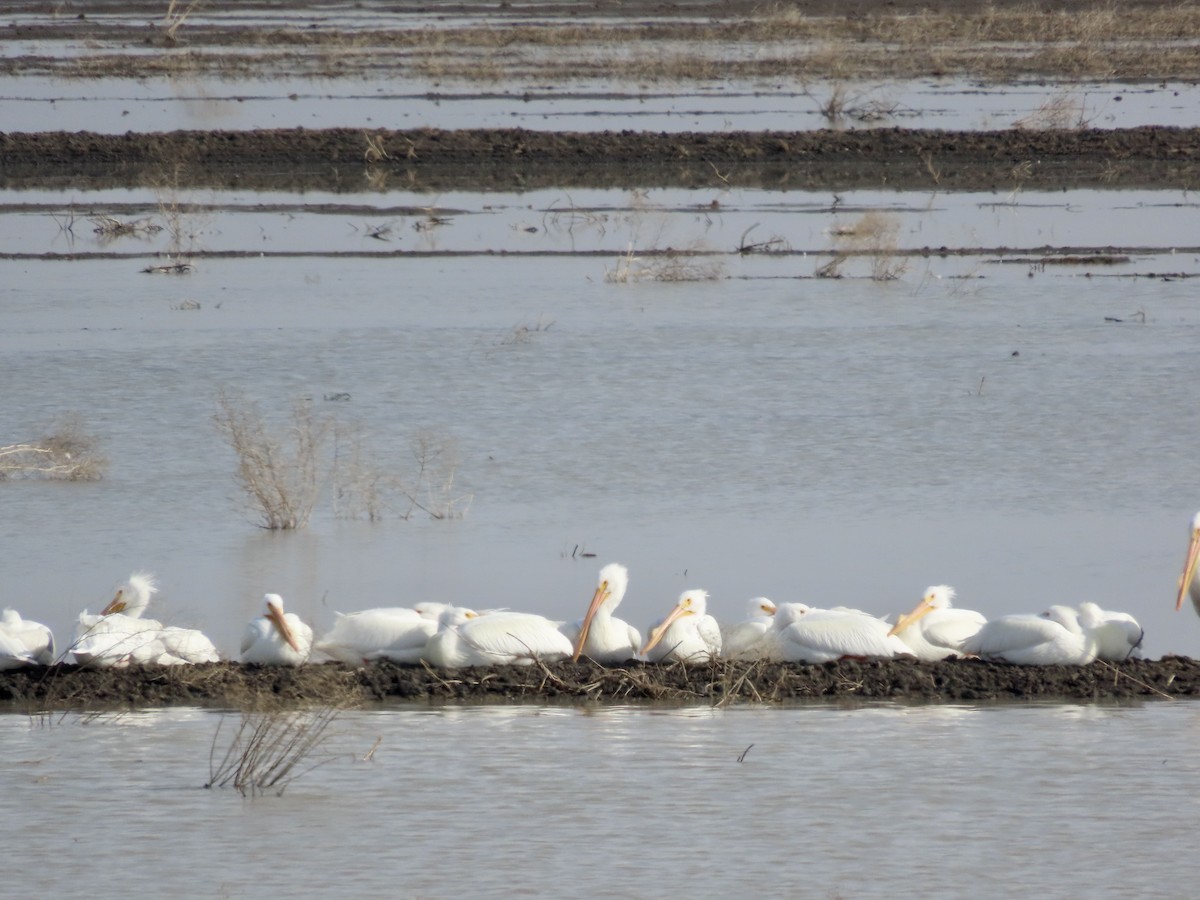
column 270, row 750
column 282, row 484
column 360, row 488
column 432, row 489
column 875, row 235
column 67, row 453
column 1062, row 112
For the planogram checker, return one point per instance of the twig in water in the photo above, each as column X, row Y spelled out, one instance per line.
column 742, row 755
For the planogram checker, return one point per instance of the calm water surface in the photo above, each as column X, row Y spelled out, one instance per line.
column 1055, row 801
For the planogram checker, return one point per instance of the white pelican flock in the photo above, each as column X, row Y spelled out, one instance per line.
column 447, row 636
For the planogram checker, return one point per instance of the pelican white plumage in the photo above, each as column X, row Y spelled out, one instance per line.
column 935, row 629
column 1061, row 636
column 600, row 635
column 24, row 642
column 1189, row 581
column 1119, row 635
column 120, row 636
column 276, row 638
column 466, row 638
column 686, row 634
column 813, row 635
column 754, row 636
column 397, row 633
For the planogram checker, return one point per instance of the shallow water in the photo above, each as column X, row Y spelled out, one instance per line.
column 619, row 802
column 834, row 441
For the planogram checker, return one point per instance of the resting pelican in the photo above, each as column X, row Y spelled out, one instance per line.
column 600, row 635
column 120, row 636
column 1060, row 636
column 1119, row 635
column 686, row 634
column 1189, row 581
column 276, row 638
column 24, row 642
column 753, row 637
column 935, row 629
column 824, row 635
column 396, row 633
column 466, row 638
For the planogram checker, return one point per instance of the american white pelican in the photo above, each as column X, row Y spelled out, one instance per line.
column 276, row 638
column 1189, row 581
column 935, row 629
column 754, row 636
column 24, row 642
column 1119, row 635
column 600, row 635
column 465, row 638
column 396, row 633
column 686, row 634
column 824, row 635
column 1061, row 636
column 120, row 636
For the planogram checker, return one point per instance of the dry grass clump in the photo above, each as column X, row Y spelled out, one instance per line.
column 875, row 235
column 270, row 750
column 278, row 474
column 283, row 471
column 664, row 265
column 67, row 453
column 109, row 228
column 1062, row 112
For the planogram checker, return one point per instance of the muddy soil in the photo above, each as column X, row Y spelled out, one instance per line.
column 513, row 160
column 230, row 685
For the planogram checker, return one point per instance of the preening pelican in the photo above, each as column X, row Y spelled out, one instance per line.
column 465, row 638
column 935, row 629
column 276, row 638
column 395, row 633
column 823, row 635
column 686, row 634
column 600, row 635
column 753, row 637
column 120, row 636
column 1189, row 581
column 1118, row 634
column 24, row 642
column 1060, row 636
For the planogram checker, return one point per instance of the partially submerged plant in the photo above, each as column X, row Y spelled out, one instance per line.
column 67, row 453
column 270, row 750
column 278, row 475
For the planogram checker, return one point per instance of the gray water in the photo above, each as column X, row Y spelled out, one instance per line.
column 1052, row 801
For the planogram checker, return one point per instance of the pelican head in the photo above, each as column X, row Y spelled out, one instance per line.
column 691, row 603
column 133, row 596
column 1189, row 567
column 939, row 596
column 275, row 616
column 761, row 606
column 611, row 585
column 789, row 613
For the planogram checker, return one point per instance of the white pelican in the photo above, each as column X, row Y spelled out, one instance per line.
column 1060, row 636
column 465, row 638
column 276, row 638
column 600, row 635
column 1119, row 634
column 397, row 633
column 824, row 635
column 753, row 637
column 935, row 629
column 120, row 636
column 24, row 642
column 1189, row 581
column 686, row 634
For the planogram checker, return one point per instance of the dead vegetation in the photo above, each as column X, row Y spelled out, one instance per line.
column 66, row 453
column 270, row 750
column 283, row 467
column 874, row 236
column 998, row 42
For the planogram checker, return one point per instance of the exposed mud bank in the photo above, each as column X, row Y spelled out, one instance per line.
column 357, row 160
column 332, row 684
